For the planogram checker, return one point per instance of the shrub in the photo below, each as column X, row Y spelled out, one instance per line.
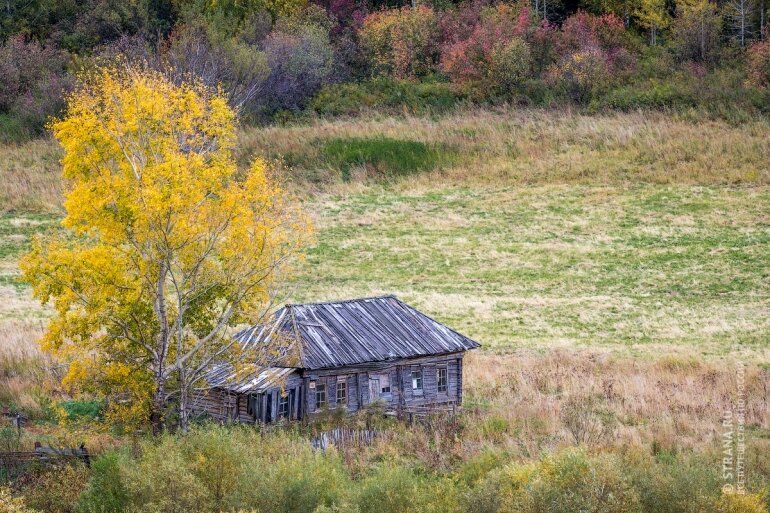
column 57, row 490
column 493, row 57
column 33, row 81
column 389, row 489
column 401, row 42
column 509, row 65
column 385, row 94
column 581, row 74
column 196, row 51
column 671, row 484
column 12, row 504
column 81, row 410
column 741, row 503
column 300, row 63
column 163, row 479
column 297, row 482
column 758, row 63
column 106, row 491
column 582, row 30
column 572, row 481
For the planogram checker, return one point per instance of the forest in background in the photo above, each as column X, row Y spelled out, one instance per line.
column 280, row 59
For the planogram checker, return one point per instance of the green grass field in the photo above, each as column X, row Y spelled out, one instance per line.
column 681, row 267
column 637, row 268
column 649, row 240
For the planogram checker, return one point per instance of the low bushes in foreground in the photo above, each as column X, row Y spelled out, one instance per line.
column 217, row 468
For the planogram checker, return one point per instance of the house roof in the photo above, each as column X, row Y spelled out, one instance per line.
column 357, row 331
column 247, row 379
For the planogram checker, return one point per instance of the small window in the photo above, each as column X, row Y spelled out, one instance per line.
column 342, row 392
column 320, row 396
column 385, row 384
column 283, row 405
column 441, row 380
column 417, row 380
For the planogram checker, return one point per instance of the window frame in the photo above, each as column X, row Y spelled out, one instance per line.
column 445, row 371
column 281, row 413
column 320, row 391
column 381, row 378
column 342, row 386
column 418, row 382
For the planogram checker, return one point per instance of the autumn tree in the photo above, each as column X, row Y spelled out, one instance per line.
column 166, row 245
column 697, row 29
column 653, row 15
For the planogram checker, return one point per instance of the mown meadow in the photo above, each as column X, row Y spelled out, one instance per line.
column 616, row 269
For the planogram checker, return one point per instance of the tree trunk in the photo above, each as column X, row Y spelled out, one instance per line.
column 184, row 402
column 184, row 413
column 161, row 351
column 158, row 403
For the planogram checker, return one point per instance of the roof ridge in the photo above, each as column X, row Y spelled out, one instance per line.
column 343, row 301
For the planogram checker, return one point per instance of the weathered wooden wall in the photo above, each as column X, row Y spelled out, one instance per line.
column 228, row 406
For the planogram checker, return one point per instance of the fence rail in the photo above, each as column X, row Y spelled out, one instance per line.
column 16, row 463
column 344, row 437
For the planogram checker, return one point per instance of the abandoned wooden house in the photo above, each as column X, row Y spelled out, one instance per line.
column 346, row 354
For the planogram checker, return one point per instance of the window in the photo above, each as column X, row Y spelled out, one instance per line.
column 283, row 405
column 417, row 380
column 441, row 380
column 320, row 396
column 342, row 392
column 385, row 384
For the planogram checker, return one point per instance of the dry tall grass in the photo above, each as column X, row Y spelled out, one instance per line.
column 505, row 146
column 527, row 146
column 31, row 176
column 27, row 375
column 526, row 402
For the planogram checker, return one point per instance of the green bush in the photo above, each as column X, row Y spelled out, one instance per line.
column 299, row 482
column 510, row 65
column 56, row 490
column 386, row 94
column 389, row 489
column 655, row 95
column 106, row 491
column 566, row 482
column 82, row 410
column 741, row 503
column 671, row 484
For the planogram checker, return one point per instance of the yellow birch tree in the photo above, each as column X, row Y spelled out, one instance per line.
column 167, row 245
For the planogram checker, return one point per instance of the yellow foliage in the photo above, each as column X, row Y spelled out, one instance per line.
column 167, row 243
column 11, row 504
column 741, row 503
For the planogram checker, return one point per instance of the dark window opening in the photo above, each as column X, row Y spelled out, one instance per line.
column 342, row 392
column 320, row 396
column 441, row 380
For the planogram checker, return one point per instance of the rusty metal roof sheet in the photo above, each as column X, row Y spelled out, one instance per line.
column 246, row 379
column 342, row 333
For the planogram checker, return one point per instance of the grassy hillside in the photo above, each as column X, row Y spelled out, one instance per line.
column 523, row 229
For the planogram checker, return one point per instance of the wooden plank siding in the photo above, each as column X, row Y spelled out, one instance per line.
column 228, row 406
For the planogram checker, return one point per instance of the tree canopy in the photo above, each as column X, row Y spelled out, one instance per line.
column 167, row 245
